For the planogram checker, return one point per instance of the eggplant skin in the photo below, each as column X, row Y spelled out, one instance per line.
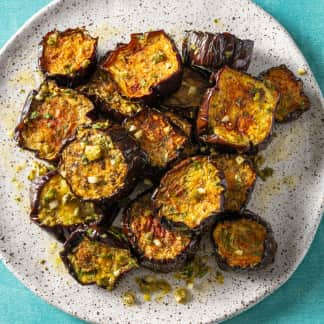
column 67, row 77
column 237, row 114
column 159, row 55
column 49, row 119
column 106, row 214
column 209, row 52
column 270, row 245
column 143, row 206
column 160, row 138
column 186, row 100
column 293, row 101
column 95, row 234
column 104, row 93
column 184, row 191
column 72, row 164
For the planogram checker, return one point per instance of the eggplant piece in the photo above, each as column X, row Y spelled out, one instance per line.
column 157, row 136
column 187, row 99
column 148, row 67
column 104, row 92
column 238, row 112
column 209, row 52
column 55, row 208
column 156, row 247
column 69, row 56
column 243, row 242
column 180, row 122
column 190, row 195
column 240, row 177
column 293, row 101
column 93, row 256
column 50, row 118
column 102, row 165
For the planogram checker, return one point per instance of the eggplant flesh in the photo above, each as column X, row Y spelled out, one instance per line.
column 146, row 68
column 186, row 100
column 209, row 52
column 243, row 242
column 190, row 195
column 157, row 248
column 50, row 118
column 104, row 92
column 102, row 165
column 157, row 136
column 68, row 56
column 240, row 178
column 238, row 112
column 293, row 101
column 93, row 256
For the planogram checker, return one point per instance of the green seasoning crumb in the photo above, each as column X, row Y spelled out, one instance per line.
column 196, row 269
column 228, row 54
column 101, row 125
column 216, row 21
column 22, row 91
column 181, row 295
column 48, row 116
column 129, row 298
column 42, row 261
column 219, row 277
column 39, row 169
column 301, row 71
column 263, row 173
column 149, row 285
column 158, row 57
column 34, row 115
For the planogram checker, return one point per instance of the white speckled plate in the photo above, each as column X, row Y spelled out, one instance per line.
column 291, row 200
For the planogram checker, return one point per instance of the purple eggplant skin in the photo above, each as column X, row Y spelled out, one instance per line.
column 61, row 232
column 206, row 224
column 93, row 233
column 209, row 52
column 135, row 158
column 270, row 245
column 166, row 265
column 163, row 88
column 73, row 79
column 202, row 123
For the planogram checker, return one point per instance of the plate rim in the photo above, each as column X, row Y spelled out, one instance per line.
column 38, row 293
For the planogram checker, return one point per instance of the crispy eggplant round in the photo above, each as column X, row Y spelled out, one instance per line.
column 293, row 101
column 68, row 56
column 240, row 178
column 238, row 112
column 243, row 242
column 104, row 92
column 146, row 68
column 190, row 195
column 94, row 256
column 55, row 208
column 102, row 165
column 209, row 52
column 186, row 100
column 157, row 136
column 50, row 118
column 157, row 248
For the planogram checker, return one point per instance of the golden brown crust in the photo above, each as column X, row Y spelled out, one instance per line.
column 293, row 101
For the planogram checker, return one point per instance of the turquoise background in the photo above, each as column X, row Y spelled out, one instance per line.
column 301, row 299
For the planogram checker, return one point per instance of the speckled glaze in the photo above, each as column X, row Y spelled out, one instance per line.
column 291, row 200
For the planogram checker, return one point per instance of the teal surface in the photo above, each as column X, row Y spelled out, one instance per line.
column 301, row 299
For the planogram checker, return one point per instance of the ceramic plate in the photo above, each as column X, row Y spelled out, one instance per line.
column 291, row 200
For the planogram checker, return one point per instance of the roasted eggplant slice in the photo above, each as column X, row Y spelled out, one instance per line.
column 97, row 257
column 101, row 165
column 157, row 136
column 50, row 117
column 147, row 67
column 238, row 112
column 103, row 91
column 55, row 208
column 209, row 52
column 182, row 123
column 240, row 177
column 68, row 57
column 243, row 242
column 293, row 101
column 190, row 195
column 187, row 99
column 156, row 247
